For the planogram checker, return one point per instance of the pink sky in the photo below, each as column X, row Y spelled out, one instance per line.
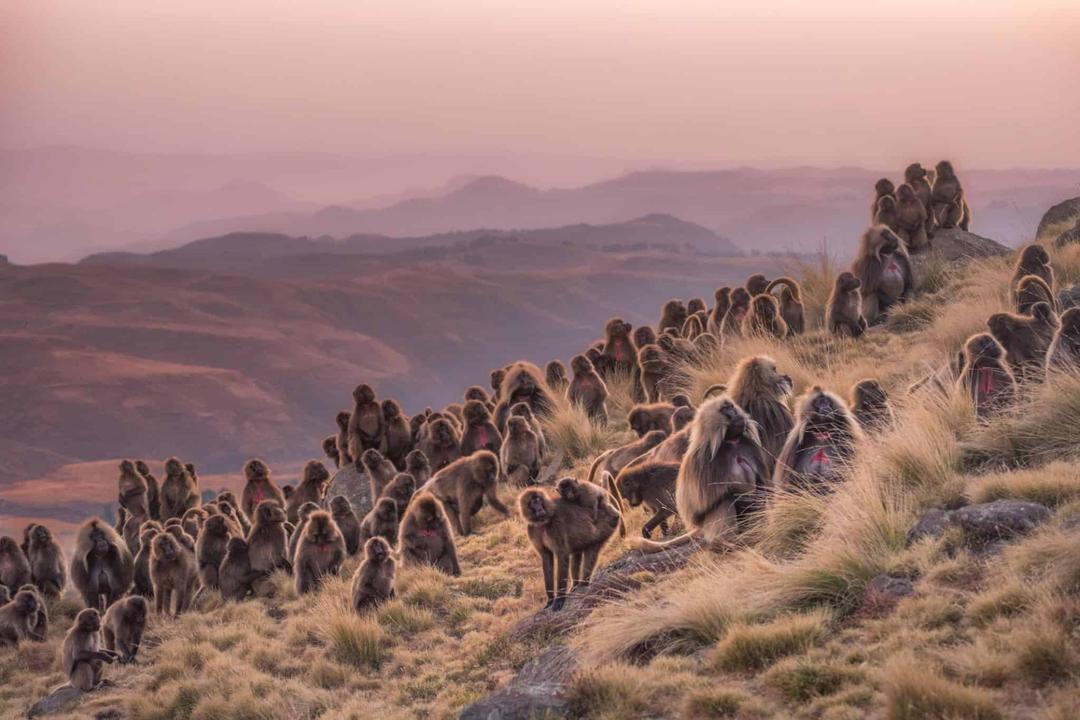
column 990, row 83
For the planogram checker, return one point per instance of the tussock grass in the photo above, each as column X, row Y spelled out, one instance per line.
column 1053, row 485
column 356, row 641
column 801, row 679
column 754, row 647
column 914, row 692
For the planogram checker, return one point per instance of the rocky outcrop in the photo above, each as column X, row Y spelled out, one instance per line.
column 1063, row 212
column 352, row 482
column 982, row 524
column 1069, row 237
column 59, row 700
column 536, row 691
column 932, row 524
column 955, row 244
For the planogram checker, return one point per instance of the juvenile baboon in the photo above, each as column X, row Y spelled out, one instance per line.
column 210, row 549
column 737, row 309
column 1025, row 339
column 174, row 528
column 19, row 618
column 173, row 572
column 190, row 467
column 915, row 176
column 425, row 537
column 236, row 577
column 870, row 405
column 101, row 568
column 268, row 542
column 672, row 315
column 762, row 392
column 123, row 627
column 329, row 446
column 583, row 494
column 1064, row 350
column 497, row 377
column 179, row 493
column 463, row 486
column 653, row 371
column 312, row 488
column 523, row 383
column 229, row 507
column 1030, row 290
column 520, row 453
column 984, row 376
column 454, row 412
column 349, row 525
column 618, row 346
column 379, row 470
column 716, row 317
column 882, row 188
column 844, row 314
column 654, row 416
column 651, row 484
column 522, row 410
column 764, row 318
column 682, row 417
column 48, row 569
column 417, row 465
column 567, row 539
column 756, row 284
column 820, row 446
column 397, row 435
column 947, row 192
column 141, row 574
column 644, row 335
column 480, row 432
column 82, row 656
column 153, row 492
column 132, row 491
column 883, row 268
column 722, row 479
column 1033, row 260
column 555, row 375
column 287, row 492
column 440, row 442
column 382, row 522
column 302, row 515
column 587, row 389
column 887, row 213
column 791, row 305
column 193, row 520
column 259, row 487
column 342, row 419
column 373, row 581
column 320, row 553
column 365, row 422
column 401, row 490
column 911, row 219
column 14, row 567
column 614, row 460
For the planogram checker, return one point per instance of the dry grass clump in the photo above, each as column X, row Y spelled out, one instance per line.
column 754, row 647
column 1052, row 485
column 569, row 428
column 915, row 692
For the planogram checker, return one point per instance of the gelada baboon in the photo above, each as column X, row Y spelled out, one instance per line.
column 883, row 268
column 733, row 318
column 820, row 446
column 722, row 478
column 1064, row 351
column 142, row 584
column 425, row 537
column 153, row 493
column 653, row 371
column 312, row 488
column 672, row 315
column 762, row 392
column 643, row 336
column 83, row 658
column 236, row 577
column 1030, row 290
column 523, row 383
column 555, row 374
column 614, row 460
column 463, row 485
column 123, row 627
column 440, row 442
column 723, row 302
column 19, row 618
column 497, row 377
column 682, row 417
column 587, row 495
column 648, row 417
column 947, row 194
column 14, row 567
column 380, row 471
column 522, row 410
column 268, row 542
column 480, row 432
column 348, row 523
column 1033, row 260
column 174, row 573
column 48, row 569
column 297, row 532
column 132, row 491
column 401, row 490
column 320, row 553
column 791, row 305
column 259, row 487
column 365, row 422
column 101, row 568
column 397, row 435
column 520, row 453
column 373, row 582
column 651, row 484
column 382, row 522
column 329, row 446
column 882, row 188
column 984, row 376
column 618, row 346
column 342, row 419
column 844, row 316
column 911, row 220
column 870, row 405
column 587, row 390
column 887, row 213
column 915, row 176
column 179, row 493
column 764, row 319
column 756, row 284
column 210, row 549
column 566, row 538
column 1025, row 339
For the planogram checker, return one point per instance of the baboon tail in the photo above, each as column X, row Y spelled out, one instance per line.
column 608, row 484
column 791, row 283
column 648, row 546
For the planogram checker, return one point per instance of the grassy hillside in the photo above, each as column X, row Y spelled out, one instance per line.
column 782, row 626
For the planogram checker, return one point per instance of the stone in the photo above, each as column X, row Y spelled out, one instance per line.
column 352, row 482
column 931, row 524
column 1058, row 214
column 999, row 520
column 890, row 587
column 954, row 244
column 1069, row 237
column 59, row 700
column 536, row 691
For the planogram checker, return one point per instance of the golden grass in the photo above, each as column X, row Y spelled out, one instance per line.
column 914, row 692
column 754, row 647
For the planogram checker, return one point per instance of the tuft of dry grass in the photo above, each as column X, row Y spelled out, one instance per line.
column 754, row 647
column 914, row 692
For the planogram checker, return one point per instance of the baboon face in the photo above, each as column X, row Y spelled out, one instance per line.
column 847, row 282
column 127, row 467
column 521, row 410
column 340, row 505
column 568, row 489
column 8, row 545
column 386, row 509
column 135, row 609
column 890, row 241
column 682, row 417
column 884, row 186
column 88, row 620
column 320, row 528
column 476, row 412
column 644, row 335
column 476, row 393
column 945, row 170
column 442, row 431
column 165, row 546
column 416, row 462
column 377, row 550
column 26, row 601
column 630, row 489
column 581, row 364
column 316, row 472
column 363, row 394
column 390, row 409
column 342, row 419
column 821, row 406
column 735, row 419
column 516, row 426
column 255, row 470
column 269, row 512
column 905, row 192
column 740, row 300
column 99, row 540
column 497, row 377
column 41, row 535
column 870, row 392
column 173, row 467
column 218, row 526
column 329, row 446
column 616, row 326
column 915, row 171
column 535, row 506
column 142, row 467
column 306, row 509
column 427, row 511
column 486, row 468
column 771, row 377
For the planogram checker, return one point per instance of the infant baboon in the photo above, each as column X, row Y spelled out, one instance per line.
column 20, row 618
column 882, row 188
column 762, row 392
column 646, row 418
column 380, row 470
column 672, row 315
column 179, row 493
column 911, row 220
column 193, row 520
column 236, row 577
column 791, row 305
column 210, row 549
column 587, row 389
column 984, row 376
column 522, row 410
column 133, row 492
column 1030, row 290
column 520, row 453
column 14, row 567
column 382, row 522
column 48, row 569
column 844, row 314
column 1064, row 351
column 312, row 488
column 349, row 525
column 480, row 431
column 397, row 435
column 463, row 486
column 329, row 446
column 342, row 438
column 523, row 383
column 440, row 442
column 101, row 568
column 870, row 406
column 320, row 553
column 584, row 494
column 1025, row 339
column 173, row 572
column 737, row 309
column 555, row 375
column 123, row 627
column 651, row 484
column 947, row 198
column 141, row 574
column 373, row 582
column 883, row 268
column 425, row 537
column 259, row 487
column 764, row 319
column 401, row 490
column 820, row 446
column 365, row 422
column 268, row 542
column 153, row 493
column 82, row 655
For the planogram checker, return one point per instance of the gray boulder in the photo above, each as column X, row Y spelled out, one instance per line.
column 954, row 244
column 536, row 691
column 352, row 482
column 1069, row 237
column 1058, row 214
column 1000, row 520
column 932, row 524
column 59, row 700
column 890, row 587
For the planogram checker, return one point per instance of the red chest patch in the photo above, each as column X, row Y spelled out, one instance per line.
column 620, row 350
column 986, row 380
column 427, row 533
column 481, row 436
column 257, row 496
column 893, row 267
